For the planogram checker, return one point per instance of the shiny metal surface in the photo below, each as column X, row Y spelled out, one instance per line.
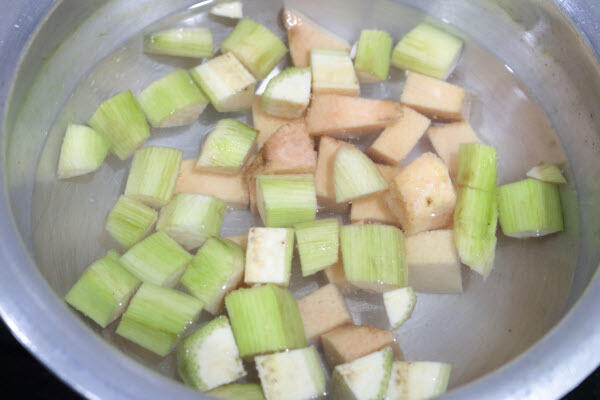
column 530, row 331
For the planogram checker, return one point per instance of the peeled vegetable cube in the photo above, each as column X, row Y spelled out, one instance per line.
column 121, row 120
column 318, row 244
column 374, row 208
column 209, row 357
column 347, row 343
column 428, row 50
column 255, row 46
column 446, row 140
column 228, row 85
column 158, row 259
column 157, row 317
column 103, row 291
column 372, row 62
column 238, row 391
column 129, row 221
column 153, row 174
column 264, row 319
column 324, row 175
column 83, row 150
column 269, row 255
column 322, row 311
column 284, row 200
column 355, row 175
column 287, row 95
column 417, row 380
column 333, row 72
column 399, row 305
column 547, row 173
column 477, row 166
column 180, row 42
column 291, row 375
column 228, row 9
column 216, row 269
column 267, row 124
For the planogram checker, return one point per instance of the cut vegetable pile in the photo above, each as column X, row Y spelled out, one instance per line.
column 415, row 218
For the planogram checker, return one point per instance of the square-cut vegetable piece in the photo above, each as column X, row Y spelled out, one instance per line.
column 266, row 124
column 269, row 255
column 318, row 244
column 373, row 54
column 333, row 72
column 446, row 140
column 433, row 264
column 324, row 174
column 335, row 274
column 436, row 99
column 366, row 378
column 355, row 175
column 290, row 150
column 305, row 35
column 374, row 208
column 180, row 42
column 399, row 305
column 238, row 391
column 226, row 82
column 291, row 375
column 83, row 151
column 349, row 342
column 422, row 195
column 346, row 116
column 130, row 221
column 398, row 139
column 287, row 95
column 240, row 240
column 285, row 200
column 418, row 380
column 322, row 311
column 209, row 357
column 232, row 189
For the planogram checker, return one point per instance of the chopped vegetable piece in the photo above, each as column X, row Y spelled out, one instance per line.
column 374, row 208
column 153, row 174
column 227, row 147
column 346, row 116
column 355, row 175
column 291, row 375
column 428, row 50
column 158, row 259
column 240, row 240
column 475, row 222
column 332, row 72
column 417, row 380
column 399, row 305
column 318, row 244
column 322, row 311
column 83, row 150
column 374, row 256
column 304, row 35
column 216, row 269
column 228, row 85
column 336, row 275
column 255, row 46
column 232, row 189
column 266, row 124
column 547, row 173
column 436, row 99
column 157, row 317
column 284, row 200
column 180, row 42
column 422, row 195
column 209, row 357
column 265, row 319
column 103, row 291
column 287, row 95
column 529, row 208
column 397, row 140
column 269, row 255
column 238, row 391
column 324, row 175
column 446, row 140
column 121, row 120
column 228, row 9
column 433, row 264
column 477, row 166
column 372, row 62
column 173, row 100
column 349, row 342
column 363, row 379
column 130, row 221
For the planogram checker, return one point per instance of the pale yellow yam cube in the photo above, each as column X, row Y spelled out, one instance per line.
column 335, row 274
column 349, row 342
column 333, row 72
column 346, row 116
column 240, row 240
column 422, row 195
column 398, row 139
column 324, row 186
column 433, row 263
column 436, row 99
column 447, row 138
column 374, row 208
column 232, row 189
column 322, row 311
column 266, row 124
column 305, row 35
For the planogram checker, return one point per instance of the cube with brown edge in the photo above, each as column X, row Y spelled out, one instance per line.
column 398, row 139
column 345, row 116
column 240, row 240
column 436, row 99
column 232, row 189
column 374, row 208
column 447, row 138
column 266, row 124
column 349, row 342
column 324, row 186
column 433, row 263
column 422, row 196
column 322, row 311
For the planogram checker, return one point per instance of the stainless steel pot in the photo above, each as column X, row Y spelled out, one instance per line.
column 530, row 332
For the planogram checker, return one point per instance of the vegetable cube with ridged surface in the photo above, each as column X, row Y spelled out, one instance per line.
column 372, row 61
column 355, row 175
column 130, row 221
column 318, row 244
column 322, row 311
column 83, row 150
column 285, row 200
column 180, row 42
